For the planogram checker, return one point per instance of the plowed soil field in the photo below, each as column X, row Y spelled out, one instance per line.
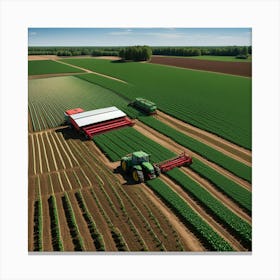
column 233, row 68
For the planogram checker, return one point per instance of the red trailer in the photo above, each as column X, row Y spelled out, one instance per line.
column 98, row 121
column 182, row 159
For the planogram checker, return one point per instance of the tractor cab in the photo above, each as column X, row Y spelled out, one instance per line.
column 140, row 157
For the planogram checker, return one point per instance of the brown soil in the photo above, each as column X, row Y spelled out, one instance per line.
column 72, row 164
column 233, row 68
column 190, row 242
column 41, row 57
column 81, row 224
column 201, row 212
column 176, row 148
column 30, row 126
column 207, row 138
column 101, row 224
column 64, row 229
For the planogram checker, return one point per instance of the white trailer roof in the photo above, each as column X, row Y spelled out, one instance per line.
column 96, row 116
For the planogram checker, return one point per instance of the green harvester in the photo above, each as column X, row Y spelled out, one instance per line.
column 144, row 105
column 138, row 164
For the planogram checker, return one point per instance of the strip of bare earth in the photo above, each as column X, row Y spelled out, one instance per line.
column 205, row 137
column 92, row 72
column 233, row 68
column 176, row 148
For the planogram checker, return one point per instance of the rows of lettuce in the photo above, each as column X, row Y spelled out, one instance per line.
column 118, row 143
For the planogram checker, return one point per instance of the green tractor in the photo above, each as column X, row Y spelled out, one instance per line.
column 138, row 164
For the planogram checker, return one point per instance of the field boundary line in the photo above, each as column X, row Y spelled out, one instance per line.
column 54, row 160
column 91, row 72
column 67, row 178
column 34, row 156
column 58, row 151
column 68, row 148
column 45, row 153
column 39, row 154
column 59, row 141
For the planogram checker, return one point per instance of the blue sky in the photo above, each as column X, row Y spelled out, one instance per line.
column 139, row 36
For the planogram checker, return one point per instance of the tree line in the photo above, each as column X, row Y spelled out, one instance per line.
column 74, row 51
column 140, row 53
column 196, row 51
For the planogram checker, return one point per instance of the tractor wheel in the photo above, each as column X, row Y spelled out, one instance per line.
column 138, row 176
column 157, row 170
column 124, row 166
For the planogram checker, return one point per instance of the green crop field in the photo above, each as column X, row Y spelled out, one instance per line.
column 49, row 98
column 232, row 165
column 235, row 224
column 117, row 143
column 189, row 217
column 38, row 67
column 218, row 103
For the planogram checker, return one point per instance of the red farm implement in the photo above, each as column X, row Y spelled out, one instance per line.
column 169, row 164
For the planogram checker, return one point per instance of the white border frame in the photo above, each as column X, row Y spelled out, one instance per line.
column 17, row 16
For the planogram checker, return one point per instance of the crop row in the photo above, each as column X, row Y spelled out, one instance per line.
column 118, row 143
column 146, row 224
column 174, row 233
column 48, row 99
column 232, row 165
column 95, row 234
column 72, row 224
column 201, row 229
column 238, row 227
column 38, row 226
column 55, row 230
column 116, row 234
column 234, row 191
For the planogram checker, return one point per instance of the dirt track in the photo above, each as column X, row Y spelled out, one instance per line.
column 176, row 148
column 89, row 71
column 207, row 138
column 233, row 68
